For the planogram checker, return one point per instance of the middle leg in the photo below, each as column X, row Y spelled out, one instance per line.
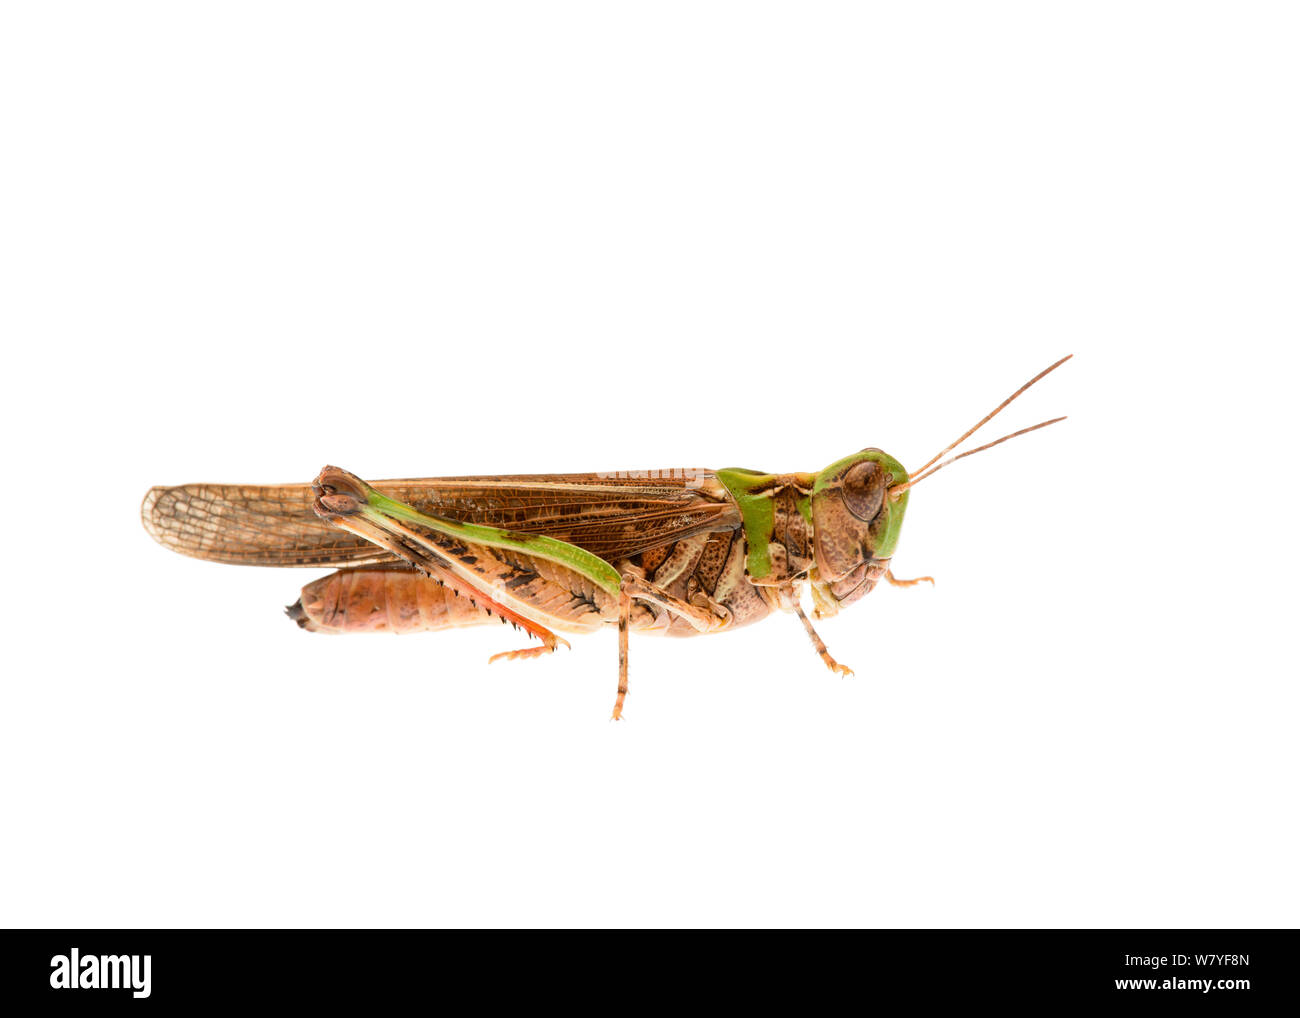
column 624, row 615
column 633, row 587
column 790, row 600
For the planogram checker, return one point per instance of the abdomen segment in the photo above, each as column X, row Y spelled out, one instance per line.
column 382, row 601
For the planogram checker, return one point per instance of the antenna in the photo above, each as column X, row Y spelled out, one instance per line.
column 921, row 474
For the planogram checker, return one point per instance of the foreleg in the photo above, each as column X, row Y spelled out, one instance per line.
column 908, row 583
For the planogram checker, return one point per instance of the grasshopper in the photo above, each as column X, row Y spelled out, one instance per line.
column 677, row 552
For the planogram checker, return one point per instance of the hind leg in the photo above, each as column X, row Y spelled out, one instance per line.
column 549, row 642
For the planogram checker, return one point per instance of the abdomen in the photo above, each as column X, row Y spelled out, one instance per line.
column 381, row 601
column 391, row 599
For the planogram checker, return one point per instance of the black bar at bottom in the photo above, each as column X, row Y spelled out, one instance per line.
column 379, row 970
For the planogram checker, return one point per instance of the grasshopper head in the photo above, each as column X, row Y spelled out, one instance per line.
column 858, row 505
column 856, row 522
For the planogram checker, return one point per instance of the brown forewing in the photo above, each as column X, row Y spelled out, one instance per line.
column 613, row 515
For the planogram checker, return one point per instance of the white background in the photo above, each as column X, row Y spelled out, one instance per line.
column 241, row 241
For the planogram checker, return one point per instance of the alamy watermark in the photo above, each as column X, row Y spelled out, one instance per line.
column 72, row 971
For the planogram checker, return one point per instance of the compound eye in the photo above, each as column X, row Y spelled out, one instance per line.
column 864, row 490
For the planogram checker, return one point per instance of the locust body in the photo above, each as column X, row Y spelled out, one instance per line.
column 401, row 600
column 677, row 552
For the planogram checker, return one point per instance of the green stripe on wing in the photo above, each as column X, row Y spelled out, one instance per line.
column 581, row 561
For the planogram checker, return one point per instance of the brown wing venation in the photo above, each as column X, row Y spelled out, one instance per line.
column 270, row 525
column 612, row 515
